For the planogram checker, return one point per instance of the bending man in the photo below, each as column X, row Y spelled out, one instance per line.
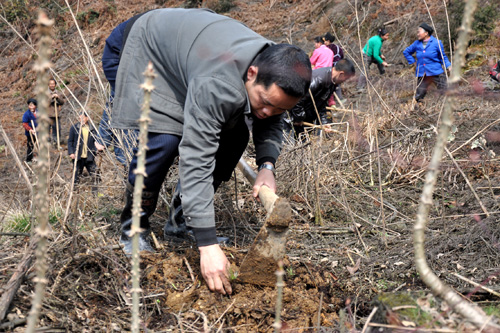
column 213, row 72
column 324, row 82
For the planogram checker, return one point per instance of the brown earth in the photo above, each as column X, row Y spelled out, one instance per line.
column 338, row 264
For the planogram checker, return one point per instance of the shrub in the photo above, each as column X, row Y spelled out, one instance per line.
column 484, row 20
column 19, row 222
column 15, row 10
column 88, row 17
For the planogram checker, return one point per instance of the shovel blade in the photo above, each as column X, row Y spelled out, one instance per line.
column 268, row 248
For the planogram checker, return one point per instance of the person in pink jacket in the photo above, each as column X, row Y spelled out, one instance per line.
column 322, row 55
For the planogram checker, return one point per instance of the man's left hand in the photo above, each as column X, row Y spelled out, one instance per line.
column 264, row 177
column 99, row 146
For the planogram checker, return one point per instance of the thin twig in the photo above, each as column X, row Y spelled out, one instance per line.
column 369, row 319
column 468, row 182
column 189, row 269
column 475, row 284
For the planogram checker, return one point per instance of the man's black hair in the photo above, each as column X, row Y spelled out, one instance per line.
column 286, row 65
column 52, row 79
column 382, row 31
column 319, row 40
column 346, row 66
column 329, row 37
column 32, row 100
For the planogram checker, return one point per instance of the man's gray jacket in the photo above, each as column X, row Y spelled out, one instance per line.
column 201, row 59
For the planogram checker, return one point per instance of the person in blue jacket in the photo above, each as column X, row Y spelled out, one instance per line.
column 30, row 124
column 430, row 60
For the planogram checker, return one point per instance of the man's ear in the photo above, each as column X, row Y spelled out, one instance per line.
column 252, row 73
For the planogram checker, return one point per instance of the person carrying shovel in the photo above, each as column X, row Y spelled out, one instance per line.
column 54, row 112
column 213, row 74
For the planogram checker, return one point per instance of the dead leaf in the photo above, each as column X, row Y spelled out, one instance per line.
column 297, row 198
column 408, row 323
column 353, row 270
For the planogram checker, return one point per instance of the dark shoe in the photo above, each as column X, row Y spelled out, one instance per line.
column 176, row 224
column 148, row 205
column 144, row 240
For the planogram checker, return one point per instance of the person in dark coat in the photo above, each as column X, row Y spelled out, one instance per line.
column 324, row 82
column 81, row 146
column 30, row 124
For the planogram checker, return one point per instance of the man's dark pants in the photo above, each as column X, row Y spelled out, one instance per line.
column 84, row 163
column 29, row 145
column 368, row 62
column 163, row 149
column 423, row 83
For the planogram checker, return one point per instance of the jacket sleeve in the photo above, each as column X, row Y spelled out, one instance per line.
column 73, row 136
column 27, row 127
column 304, row 109
column 408, row 53
column 445, row 58
column 210, row 103
column 268, row 138
column 26, row 121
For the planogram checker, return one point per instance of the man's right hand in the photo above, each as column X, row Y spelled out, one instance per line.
column 72, row 156
column 214, row 268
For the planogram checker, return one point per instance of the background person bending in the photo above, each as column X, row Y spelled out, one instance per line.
column 324, row 82
column 372, row 54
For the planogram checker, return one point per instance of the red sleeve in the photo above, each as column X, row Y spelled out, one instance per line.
column 27, row 126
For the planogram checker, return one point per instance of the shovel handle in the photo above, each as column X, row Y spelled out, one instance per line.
column 266, row 195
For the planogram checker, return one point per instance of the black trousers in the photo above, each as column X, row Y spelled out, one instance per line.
column 84, row 163
column 423, row 83
column 53, row 128
column 29, row 145
column 368, row 61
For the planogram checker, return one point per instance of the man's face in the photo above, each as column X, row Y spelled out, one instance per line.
column 422, row 34
column 32, row 107
column 269, row 102
column 52, row 84
column 339, row 77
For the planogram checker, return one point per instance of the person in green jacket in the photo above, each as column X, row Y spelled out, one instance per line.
column 372, row 54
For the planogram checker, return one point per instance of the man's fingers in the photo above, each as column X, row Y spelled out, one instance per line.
column 256, row 189
column 210, row 282
column 227, row 285
column 219, row 286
